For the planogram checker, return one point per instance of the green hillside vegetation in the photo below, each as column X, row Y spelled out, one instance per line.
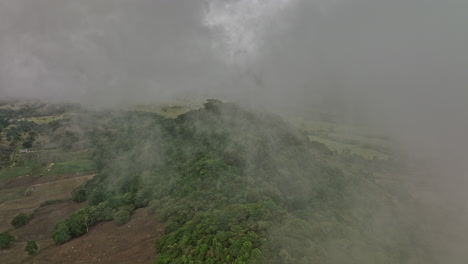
column 234, row 186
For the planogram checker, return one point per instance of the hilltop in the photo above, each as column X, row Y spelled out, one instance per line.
column 230, row 185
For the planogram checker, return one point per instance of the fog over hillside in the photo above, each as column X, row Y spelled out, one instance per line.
column 398, row 65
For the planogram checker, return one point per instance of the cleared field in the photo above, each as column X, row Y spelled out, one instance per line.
column 107, row 243
column 11, row 172
column 37, row 229
column 44, row 220
column 18, row 202
column 71, row 167
column 11, row 194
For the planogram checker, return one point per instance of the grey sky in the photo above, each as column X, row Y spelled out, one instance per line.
column 402, row 63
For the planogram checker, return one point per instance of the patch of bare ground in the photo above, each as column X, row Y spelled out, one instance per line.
column 37, row 229
column 107, row 243
column 62, row 177
column 39, row 193
column 44, row 220
column 17, row 182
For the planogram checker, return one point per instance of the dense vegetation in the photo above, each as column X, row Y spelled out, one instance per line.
column 237, row 187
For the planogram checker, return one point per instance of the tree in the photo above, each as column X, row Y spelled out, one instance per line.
column 6, row 240
column 31, row 247
column 212, row 104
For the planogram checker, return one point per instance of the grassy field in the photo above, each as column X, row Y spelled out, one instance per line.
column 71, row 167
column 360, row 140
column 166, row 110
column 45, row 119
column 11, row 172
column 337, row 128
column 57, row 155
column 348, row 139
column 15, row 201
column 343, row 148
column 35, row 167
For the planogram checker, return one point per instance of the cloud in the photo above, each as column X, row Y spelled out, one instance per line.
column 394, row 63
column 240, row 26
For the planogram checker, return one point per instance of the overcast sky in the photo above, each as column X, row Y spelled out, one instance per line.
column 403, row 63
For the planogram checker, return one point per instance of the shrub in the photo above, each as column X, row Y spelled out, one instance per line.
column 20, row 220
column 51, row 202
column 79, row 195
column 123, row 215
column 31, row 247
column 6, row 240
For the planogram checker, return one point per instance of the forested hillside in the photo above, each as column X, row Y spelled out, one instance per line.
column 233, row 186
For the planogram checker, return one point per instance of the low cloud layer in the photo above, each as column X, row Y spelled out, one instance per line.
column 389, row 54
column 399, row 64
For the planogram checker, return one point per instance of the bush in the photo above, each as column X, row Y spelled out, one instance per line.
column 61, row 233
column 79, row 195
column 6, row 240
column 20, row 220
column 123, row 215
column 51, row 202
column 31, row 247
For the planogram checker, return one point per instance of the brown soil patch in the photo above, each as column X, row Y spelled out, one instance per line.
column 44, row 220
column 62, row 177
column 37, row 229
column 17, row 182
column 11, row 194
column 54, row 190
column 108, row 243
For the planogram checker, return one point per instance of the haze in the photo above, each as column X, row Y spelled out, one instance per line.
column 401, row 65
